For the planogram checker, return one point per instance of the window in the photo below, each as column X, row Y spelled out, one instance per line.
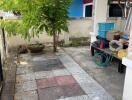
column 88, row 9
column 115, row 11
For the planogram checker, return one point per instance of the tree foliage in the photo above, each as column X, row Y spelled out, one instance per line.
column 37, row 15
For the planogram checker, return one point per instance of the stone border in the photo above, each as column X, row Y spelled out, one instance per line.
column 87, row 83
column 8, row 89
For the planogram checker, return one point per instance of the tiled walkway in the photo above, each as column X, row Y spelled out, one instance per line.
column 55, row 77
column 108, row 77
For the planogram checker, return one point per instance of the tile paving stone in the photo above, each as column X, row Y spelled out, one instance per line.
column 44, row 83
column 47, row 65
column 30, row 95
column 64, row 59
column 83, row 78
column 75, row 69
column 51, row 93
column 92, row 88
column 60, row 92
column 78, row 98
column 82, row 97
column 43, row 74
column 100, row 97
column 9, row 88
column 39, row 58
column 26, row 86
column 7, row 97
column 25, row 77
column 24, row 70
column 24, row 65
column 71, row 66
column 72, row 90
column 11, row 76
column 26, row 57
column 65, row 80
column 60, row 72
column 50, row 56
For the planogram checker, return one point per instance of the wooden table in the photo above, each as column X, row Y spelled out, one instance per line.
column 121, row 67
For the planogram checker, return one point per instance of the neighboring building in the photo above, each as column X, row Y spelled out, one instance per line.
column 84, row 8
column 8, row 15
column 81, row 8
column 76, row 9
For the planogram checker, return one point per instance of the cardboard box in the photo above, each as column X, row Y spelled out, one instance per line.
column 112, row 34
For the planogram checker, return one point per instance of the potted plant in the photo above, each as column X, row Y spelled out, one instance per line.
column 36, row 48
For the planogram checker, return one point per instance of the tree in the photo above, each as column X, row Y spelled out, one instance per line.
column 37, row 16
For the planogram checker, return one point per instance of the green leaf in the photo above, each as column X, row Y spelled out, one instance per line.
column 38, row 15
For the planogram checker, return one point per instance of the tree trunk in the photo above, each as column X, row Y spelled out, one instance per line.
column 57, row 39
column 54, row 43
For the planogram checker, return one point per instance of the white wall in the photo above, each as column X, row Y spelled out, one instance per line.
column 128, row 83
column 77, row 28
column 100, row 13
column 119, row 22
column 127, row 95
column 99, row 16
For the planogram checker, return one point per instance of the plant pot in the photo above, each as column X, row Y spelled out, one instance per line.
column 36, row 48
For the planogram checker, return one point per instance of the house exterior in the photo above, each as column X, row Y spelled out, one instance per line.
column 100, row 13
column 103, row 11
column 82, row 13
column 78, row 8
column 84, row 8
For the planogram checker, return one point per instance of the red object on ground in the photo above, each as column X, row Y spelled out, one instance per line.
column 101, row 45
column 87, row 1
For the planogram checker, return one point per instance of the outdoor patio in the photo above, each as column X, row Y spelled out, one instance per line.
column 50, row 76
column 109, row 77
column 65, row 50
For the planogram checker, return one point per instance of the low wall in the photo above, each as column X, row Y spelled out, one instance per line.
column 77, row 28
column 119, row 23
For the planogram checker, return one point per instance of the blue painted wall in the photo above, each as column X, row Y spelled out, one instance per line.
column 76, row 9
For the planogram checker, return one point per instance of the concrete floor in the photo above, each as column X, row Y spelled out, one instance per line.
column 55, row 77
column 108, row 77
